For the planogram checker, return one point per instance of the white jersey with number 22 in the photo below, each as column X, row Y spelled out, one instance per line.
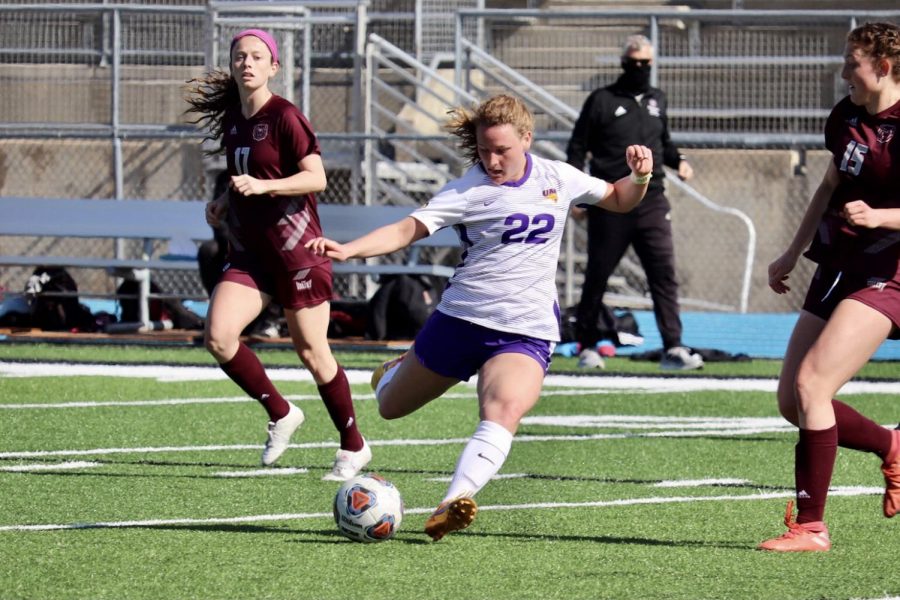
column 511, row 236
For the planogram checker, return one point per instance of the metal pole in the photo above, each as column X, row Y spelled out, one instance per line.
column 115, row 75
column 288, row 68
column 306, row 73
column 654, row 39
column 356, row 103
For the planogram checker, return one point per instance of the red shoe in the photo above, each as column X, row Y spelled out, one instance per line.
column 806, row 537
column 452, row 515
column 891, row 469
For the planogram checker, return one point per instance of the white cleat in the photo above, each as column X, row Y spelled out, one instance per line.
column 348, row 464
column 680, row 358
column 280, row 433
column 590, row 359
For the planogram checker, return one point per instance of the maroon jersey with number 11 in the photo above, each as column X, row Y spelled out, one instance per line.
column 866, row 151
column 269, row 145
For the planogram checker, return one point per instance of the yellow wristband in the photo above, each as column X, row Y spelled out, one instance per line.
column 642, row 180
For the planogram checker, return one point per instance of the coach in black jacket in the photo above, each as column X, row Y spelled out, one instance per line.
column 629, row 112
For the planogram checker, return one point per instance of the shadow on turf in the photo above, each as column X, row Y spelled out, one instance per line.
column 324, row 536
column 332, row 536
column 605, row 539
column 314, row 469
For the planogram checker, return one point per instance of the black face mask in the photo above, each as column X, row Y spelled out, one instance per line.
column 636, row 76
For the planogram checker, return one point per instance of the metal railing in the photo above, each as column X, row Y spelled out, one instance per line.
column 103, row 84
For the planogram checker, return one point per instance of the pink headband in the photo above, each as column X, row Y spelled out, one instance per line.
column 263, row 36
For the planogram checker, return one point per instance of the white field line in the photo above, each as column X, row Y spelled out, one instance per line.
column 654, row 384
column 262, row 472
column 240, row 399
column 726, row 427
column 216, row 448
column 855, row 491
column 77, row 464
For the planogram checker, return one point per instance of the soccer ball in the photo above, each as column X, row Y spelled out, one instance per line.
column 368, row 508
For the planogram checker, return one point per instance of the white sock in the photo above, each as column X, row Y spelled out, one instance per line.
column 385, row 379
column 480, row 459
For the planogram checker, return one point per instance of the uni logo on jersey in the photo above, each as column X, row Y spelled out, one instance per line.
column 550, row 194
column 233, row 130
column 885, row 133
column 653, row 107
column 260, row 131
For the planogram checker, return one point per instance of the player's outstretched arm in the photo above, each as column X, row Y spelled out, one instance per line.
column 383, row 240
column 625, row 194
column 780, row 268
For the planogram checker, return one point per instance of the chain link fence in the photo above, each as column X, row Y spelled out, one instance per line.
column 99, row 108
column 748, row 91
column 93, row 108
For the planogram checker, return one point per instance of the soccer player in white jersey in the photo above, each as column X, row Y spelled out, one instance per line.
column 499, row 315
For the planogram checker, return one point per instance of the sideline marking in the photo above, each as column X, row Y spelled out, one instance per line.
column 76, row 464
column 262, row 472
column 242, row 399
column 357, row 376
column 839, row 491
column 777, row 425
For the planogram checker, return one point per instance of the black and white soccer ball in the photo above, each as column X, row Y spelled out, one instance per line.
column 368, row 508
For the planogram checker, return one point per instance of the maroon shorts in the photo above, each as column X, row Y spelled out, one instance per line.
column 291, row 289
column 829, row 286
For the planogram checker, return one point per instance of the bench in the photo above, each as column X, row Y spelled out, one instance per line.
column 179, row 222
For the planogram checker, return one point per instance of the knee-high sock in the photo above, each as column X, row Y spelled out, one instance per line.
column 336, row 396
column 858, row 432
column 246, row 371
column 480, row 460
column 814, row 458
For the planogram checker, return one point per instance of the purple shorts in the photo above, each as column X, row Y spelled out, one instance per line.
column 456, row 348
column 829, row 286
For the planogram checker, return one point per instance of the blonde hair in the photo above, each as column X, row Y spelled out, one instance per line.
column 496, row 110
column 877, row 41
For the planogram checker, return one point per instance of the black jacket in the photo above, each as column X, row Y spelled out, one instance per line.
column 610, row 121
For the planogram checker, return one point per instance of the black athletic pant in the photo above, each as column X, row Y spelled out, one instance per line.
column 649, row 229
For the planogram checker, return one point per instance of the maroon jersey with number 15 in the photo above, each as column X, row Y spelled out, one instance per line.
column 269, row 145
column 866, row 151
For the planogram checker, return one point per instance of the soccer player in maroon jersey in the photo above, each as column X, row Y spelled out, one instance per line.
column 269, row 213
column 853, row 302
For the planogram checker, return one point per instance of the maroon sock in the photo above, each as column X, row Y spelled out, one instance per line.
column 246, row 371
column 814, row 458
column 858, row 432
column 336, row 396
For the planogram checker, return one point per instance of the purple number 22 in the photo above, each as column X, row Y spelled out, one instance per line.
column 543, row 223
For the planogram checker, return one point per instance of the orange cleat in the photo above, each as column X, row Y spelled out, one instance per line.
column 451, row 515
column 891, row 469
column 805, row 537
